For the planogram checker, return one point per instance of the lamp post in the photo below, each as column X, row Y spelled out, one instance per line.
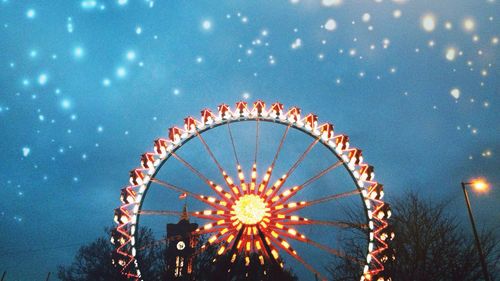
column 479, row 185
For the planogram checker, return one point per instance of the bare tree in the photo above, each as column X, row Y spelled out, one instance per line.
column 429, row 245
column 93, row 261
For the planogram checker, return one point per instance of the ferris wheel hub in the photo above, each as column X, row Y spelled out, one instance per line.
column 250, row 209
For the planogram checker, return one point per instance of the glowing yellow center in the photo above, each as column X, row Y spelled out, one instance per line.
column 250, row 209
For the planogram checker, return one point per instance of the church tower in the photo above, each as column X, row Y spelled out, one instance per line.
column 181, row 248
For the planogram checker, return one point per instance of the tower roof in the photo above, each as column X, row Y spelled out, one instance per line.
column 184, row 215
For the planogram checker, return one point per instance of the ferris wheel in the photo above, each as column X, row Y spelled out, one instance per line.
column 245, row 208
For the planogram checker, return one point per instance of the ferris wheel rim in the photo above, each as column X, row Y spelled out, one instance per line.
column 237, row 119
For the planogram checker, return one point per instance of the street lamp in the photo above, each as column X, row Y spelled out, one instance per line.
column 479, row 185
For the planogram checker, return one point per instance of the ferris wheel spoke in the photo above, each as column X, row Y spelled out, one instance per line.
column 295, row 206
column 257, row 245
column 263, row 185
column 256, row 152
column 241, row 176
column 297, row 236
column 279, row 183
column 270, row 251
column 206, row 215
column 299, row 221
column 229, row 182
column 234, row 188
column 216, row 203
column 219, row 240
column 285, row 246
column 236, row 244
column 209, row 151
column 253, row 179
column 253, row 176
column 215, row 187
column 287, row 194
column 223, row 236
column 233, row 144
column 211, row 228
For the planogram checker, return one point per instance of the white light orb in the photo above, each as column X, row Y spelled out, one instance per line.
column 31, row 13
column 455, row 93
column 329, row 3
column 42, row 79
column 451, row 54
column 469, row 24
column 366, row 17
column 331, row 25
column 206, row 25
column 428, row 22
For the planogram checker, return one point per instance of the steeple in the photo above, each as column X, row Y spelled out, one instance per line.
column 181, row 248
column 184, row 215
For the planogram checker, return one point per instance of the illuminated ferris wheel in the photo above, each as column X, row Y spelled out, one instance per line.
column 292, row 219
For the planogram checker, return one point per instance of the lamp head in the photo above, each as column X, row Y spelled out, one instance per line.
column 480, row 185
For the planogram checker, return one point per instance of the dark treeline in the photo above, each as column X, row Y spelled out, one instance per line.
column 430, row 244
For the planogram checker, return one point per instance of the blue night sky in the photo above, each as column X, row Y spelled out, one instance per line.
column 86, row 86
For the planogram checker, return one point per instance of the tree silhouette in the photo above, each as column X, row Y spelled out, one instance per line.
column 93, row 261
column 429, row 245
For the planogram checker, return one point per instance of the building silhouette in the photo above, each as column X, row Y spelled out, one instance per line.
column 181, row 248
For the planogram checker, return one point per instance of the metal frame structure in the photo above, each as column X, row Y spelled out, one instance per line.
column 270, row 234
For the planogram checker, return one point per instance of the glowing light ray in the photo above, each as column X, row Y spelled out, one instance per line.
column 200, row 215
column 270, row 251
column 241, row 177
column 222, row 193
column 260, row 248
column 297, row 220
column 263, row 185
column 211, row 228
column 235, row 246
column 245, row 246
column 278, row 241
column 287, row 194
column 221, row 239
column 258, row 245
column 295, row 206
column 276, row 187
column 253, row 178
column 287, row 232
column 227, row 238
column 235, row 190
column 202, row 198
